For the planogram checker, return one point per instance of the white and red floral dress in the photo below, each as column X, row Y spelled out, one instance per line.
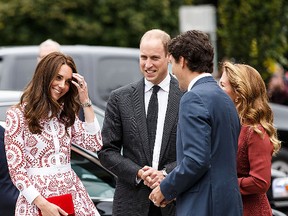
column 40, row 163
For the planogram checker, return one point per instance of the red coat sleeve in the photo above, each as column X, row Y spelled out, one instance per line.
column 260, row 151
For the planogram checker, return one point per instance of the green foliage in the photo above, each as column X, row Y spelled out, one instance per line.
column 249, row 31
column 93, row 22
column 253, row 32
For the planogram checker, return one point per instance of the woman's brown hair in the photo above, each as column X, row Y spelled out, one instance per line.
column 37, row 100
column 252, row 102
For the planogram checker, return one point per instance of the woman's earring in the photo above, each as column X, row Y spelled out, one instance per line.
column 236, row 100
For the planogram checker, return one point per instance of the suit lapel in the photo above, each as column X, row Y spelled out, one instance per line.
column 170, row 119
column 140, row 116
column 171, row 113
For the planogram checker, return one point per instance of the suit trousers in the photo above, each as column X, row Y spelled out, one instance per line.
column 154, row 210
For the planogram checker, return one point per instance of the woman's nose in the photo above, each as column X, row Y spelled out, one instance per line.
column 61, row 84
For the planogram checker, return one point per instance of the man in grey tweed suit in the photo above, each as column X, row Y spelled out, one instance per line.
column 126, row 150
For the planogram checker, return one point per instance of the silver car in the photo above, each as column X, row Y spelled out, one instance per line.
column 100, row 183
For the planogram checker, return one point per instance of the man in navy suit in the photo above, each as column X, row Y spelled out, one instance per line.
column 204, row 181
column 8, row 192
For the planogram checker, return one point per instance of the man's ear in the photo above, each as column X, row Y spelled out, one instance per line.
column 169, row 58
column 182, row 61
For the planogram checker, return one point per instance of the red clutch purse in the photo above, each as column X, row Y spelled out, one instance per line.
column 64, row 201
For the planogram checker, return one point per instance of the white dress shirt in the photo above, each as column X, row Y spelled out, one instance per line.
column 162, row 107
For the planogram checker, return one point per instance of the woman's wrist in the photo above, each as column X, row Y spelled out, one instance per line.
column 40, row 201
column 88, row 103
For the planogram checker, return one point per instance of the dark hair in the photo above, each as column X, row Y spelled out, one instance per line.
column 37, row 99
column 194, row 46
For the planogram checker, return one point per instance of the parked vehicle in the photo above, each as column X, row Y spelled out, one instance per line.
column 104, row 68
column 100, row 182
column 278, row 191
column 278, row 213
column 280, row 162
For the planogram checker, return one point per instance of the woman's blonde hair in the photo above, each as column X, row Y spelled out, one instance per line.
column 252, row 100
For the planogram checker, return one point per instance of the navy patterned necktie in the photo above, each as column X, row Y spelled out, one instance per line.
column 152, row 116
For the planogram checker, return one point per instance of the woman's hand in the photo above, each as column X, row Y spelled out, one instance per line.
column 83, row 97
column 47, row 208
column 82, row 87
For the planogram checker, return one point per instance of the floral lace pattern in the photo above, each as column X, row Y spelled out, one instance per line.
column 50, row 149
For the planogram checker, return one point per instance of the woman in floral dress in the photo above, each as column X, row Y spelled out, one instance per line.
column 38, row 137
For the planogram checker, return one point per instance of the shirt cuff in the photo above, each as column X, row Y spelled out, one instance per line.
column 138, row 180
column 30, row 194
column 92, row 127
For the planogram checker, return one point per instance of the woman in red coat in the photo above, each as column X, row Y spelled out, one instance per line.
column 258, row 137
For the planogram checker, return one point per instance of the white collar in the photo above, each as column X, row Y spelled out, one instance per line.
column 164, row 85
column 193, row 81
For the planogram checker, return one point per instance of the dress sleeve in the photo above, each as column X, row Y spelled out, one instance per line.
column 260, row 154
column 87, row 135
column 16, row 156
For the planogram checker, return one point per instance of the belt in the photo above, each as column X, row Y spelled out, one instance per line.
column 49, row 170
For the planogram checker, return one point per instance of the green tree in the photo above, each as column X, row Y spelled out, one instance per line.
column 249, row 31
column 253, row 32
column 101, row 22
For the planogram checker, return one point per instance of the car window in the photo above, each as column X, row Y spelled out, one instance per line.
column 19, row 74
column 3, row 113
column 97, row 181
column 26, row 67
column 118, row 72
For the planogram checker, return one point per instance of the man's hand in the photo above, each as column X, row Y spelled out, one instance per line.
column 151, row 176
column 157, row 197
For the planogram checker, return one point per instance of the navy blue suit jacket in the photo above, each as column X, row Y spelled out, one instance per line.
column 8, row 192
column 205, row 178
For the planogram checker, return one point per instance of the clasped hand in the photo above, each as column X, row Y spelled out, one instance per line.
column 158, row 198
column 152, row 178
